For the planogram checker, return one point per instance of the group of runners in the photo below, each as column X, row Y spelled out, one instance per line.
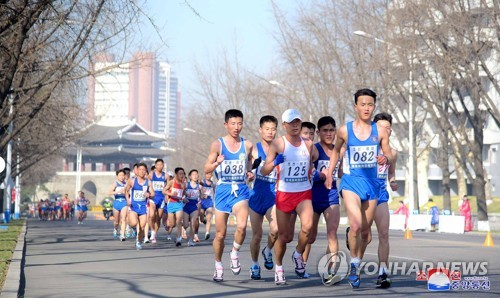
column 149, row 199
column 61, row 209
column 280, row 178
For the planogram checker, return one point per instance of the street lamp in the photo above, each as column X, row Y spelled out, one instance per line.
column 411, row 191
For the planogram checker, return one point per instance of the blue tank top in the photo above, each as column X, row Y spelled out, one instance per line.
column 139, row 191
column 120, row 186
column 207, row 189
column 192, row 193
column 158, row 185
column 361, row 156
column 322, row 163
column 233, row 168
column 264, row 182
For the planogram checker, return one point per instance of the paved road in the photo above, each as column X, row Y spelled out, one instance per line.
column 66, row 259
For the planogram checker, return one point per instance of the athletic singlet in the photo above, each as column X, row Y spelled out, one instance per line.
column 323, row 162
column 58, row 203
column 269, row 178
column 139, row 191
column 158, row 185
column 208, row 190
column 193, row 193
column 176, row 192
column 120, row 186
column 82, row 202
column 361, row 156
column 293, row 174
column 233, row 168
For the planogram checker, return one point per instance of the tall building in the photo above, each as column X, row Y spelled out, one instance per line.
column 143, row 89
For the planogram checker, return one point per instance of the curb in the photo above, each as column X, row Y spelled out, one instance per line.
column 14, row 282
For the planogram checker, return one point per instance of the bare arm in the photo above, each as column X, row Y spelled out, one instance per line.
column 249, row 148
column 127, row 191
column 151, row 190
column 214, row 157
column 274, row 149
column 339, row 142
column 386, row 148
column 392, row 172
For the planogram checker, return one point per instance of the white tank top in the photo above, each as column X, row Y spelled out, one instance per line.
column 294, row 173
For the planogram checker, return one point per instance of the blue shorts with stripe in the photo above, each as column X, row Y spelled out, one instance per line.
column 365, row 188
column 225, row 199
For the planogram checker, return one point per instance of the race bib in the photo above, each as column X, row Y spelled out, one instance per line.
column 207, row 191
column 363, row 157
column 233, row 170
column 176, row 193
column 295, row 171
column 383, row 170
column 139, row 195
column 271, row 177
column 119, row 189
column 192, row 194
column 158, row 185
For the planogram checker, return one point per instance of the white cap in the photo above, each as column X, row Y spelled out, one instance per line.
column 290, row 115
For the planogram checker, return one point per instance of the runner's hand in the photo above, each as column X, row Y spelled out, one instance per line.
column 280, row 158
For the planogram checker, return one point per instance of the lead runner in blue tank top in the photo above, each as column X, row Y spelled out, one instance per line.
column 137, row 192
column 360, row 186
column 158, row 179
column 230, row 158
column 263, row 198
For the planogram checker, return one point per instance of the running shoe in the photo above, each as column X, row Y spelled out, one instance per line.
column 207, row 236
column 134, row 233
column 300, row 269
column 354, row 279
column 196, row 239
column 178, row 242
column 115, row 233
column 347, row 238
column 383, row 281
column 218, row 274
column 268, row 259
column 169, row 238
column 190, row 242
column 138, row 245
column 127, row 233
column 306, row 275
column 331, row 279
column 255, row 272
column 235, row 264
column 153, row 240
column 279, row 278
column 146, row 240
column 122, row 238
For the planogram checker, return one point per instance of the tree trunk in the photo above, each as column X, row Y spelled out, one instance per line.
column 445, row 168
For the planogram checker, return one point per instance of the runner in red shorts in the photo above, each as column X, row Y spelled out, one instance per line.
column 292, row 156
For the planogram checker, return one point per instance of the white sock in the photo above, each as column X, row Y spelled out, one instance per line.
column 355, row 261
column 279, row 268
column 267, row 251
column 296, row 254
column 382, row 269
column 218, row 264
column 234, row 253
column 255, row 263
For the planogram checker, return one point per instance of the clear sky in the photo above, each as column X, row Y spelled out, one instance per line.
column 221, row 24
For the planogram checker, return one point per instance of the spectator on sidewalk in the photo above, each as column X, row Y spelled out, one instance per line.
column 466, row 212
column 433, row 210
column 402, row 209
